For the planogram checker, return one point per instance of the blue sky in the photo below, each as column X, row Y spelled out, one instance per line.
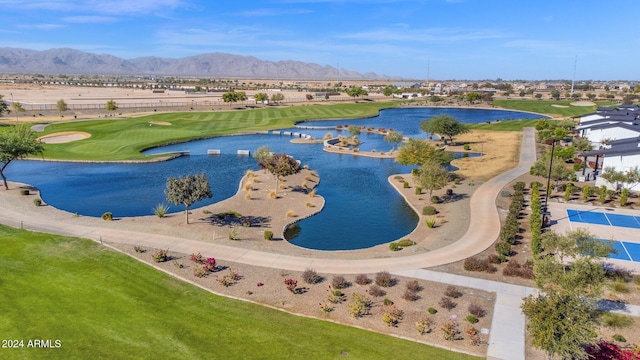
column 441, row 39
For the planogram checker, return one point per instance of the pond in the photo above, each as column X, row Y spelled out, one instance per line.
column 361, row 211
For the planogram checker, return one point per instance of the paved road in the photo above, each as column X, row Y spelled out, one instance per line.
column 507, row 333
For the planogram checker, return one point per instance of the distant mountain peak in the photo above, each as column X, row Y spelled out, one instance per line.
column 75, row 62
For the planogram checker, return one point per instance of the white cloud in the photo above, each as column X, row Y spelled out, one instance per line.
column 90, row 19
column 45, row 27
column 274, row 12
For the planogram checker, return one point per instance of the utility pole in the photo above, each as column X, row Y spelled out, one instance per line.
column 575, row 65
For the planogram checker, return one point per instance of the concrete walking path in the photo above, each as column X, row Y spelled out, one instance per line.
column 507, row 339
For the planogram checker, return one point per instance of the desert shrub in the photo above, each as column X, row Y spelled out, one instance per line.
column 268, row 235
column 199, row 272
column 435, row 199
column 308, row 204
column 398, row 177
column 493, row 259
column 273, row 194
column 360, row 306
column 429, row 210
column 413, row 285
column 387, row 302
column 310, row 276
column 616, row 320
column 290, row 213
column 234, row 233
column 107, row 216
column 505, row 193
column 471, row 319
column 519, row 186
column 467, row 147
column 196, row 258
column 384, row 279
column 161, row 256
column 292, row 285
column 446, row 303
column 514, row 268
column 405, row 242
column 618, row 273
column 449, row 192
column 476, row 310
column 179, row 265
column 418, row 191
column 405, row 185
column 248, row 186
column 619, row 338
column 410, row 295
column 424, row 325
column 376, row 291
column 339, row 282
column 393, row 246
column 138, row 249
column 432, row 310
column 362, row 279
column 449, row 330
column 624, row 197
column 209, row 264
column 476, row 264
column 312, row 193
column 431, row 222
column 225, row 281
column 160, row 210
column 24, row 192
column 234, row 275
column 336, row 296
column 37, row 202
column 391, row 316
column 503, row 248
column 473, row 335
column 452, row 292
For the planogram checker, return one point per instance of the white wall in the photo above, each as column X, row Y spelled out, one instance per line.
column 620, row 163
column 598, row 135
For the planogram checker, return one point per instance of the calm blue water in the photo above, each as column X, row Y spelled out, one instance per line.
column 349, row 184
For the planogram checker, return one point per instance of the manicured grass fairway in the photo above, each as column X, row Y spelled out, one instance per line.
column 102, row 304
column 124, row 139
column 544, row 106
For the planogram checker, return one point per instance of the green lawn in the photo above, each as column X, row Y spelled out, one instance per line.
column 545, row 107
column 124, row 139
column 508, row 125
column 104, row 305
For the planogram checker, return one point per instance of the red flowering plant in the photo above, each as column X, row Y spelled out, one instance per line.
column 291, row 285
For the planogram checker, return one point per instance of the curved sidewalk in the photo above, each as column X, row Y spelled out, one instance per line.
column 483, row 230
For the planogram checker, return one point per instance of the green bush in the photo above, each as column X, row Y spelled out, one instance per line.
column 405, row 242
column 432, row 310
column 268, row 235
column 431, row 222
column 429, row 210
column 467, row 147
column 616, row 320
column 37, row 201
column 160, row 210
column 394, row 246
column 107, row 216
column 405, row 185
column 435, row 199
column 418, row 190
column 619, row 338
column 472, row 319
column 503, row 248
column 519, row 186
column 449, row 192
column 24, row 192
column 624, row 196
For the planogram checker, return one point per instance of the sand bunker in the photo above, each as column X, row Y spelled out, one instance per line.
column 64, row 137
column 582, row 103
column 161, row 123
column 559, row 106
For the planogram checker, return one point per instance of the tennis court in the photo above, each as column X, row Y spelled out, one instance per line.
column 625, row 250
column 601, row 218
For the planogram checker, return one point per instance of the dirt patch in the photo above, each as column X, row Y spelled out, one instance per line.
column 64, row 137
column 501, row 151
column 265, row 286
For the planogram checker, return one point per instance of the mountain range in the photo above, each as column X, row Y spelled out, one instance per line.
column 67, row 61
